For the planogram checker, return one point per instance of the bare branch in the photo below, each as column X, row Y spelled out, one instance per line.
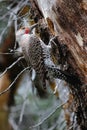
column 14, row 81
column 9, row 53
column 54, row 126
column 47, row 117
column 24, row 104
column 70, row 128
column 22, row 111
column 11, row 65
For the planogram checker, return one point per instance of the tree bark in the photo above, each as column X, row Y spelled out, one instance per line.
column 67, row 19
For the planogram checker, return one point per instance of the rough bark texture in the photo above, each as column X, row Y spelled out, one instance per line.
column 67, row 19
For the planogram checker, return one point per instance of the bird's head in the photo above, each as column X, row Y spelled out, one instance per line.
column 21, row 32
column 24, row 31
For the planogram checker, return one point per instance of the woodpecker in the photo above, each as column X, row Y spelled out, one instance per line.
column 38, row 56
column 35, row 52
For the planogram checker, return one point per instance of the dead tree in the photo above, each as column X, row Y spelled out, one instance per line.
column 67, row 19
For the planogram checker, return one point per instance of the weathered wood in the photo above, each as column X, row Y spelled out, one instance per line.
column 67, row 19
column 70, row 23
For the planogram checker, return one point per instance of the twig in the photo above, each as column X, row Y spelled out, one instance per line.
column 22, row 111
column 19, row 6
column 24, row 104
column 14, row 81
column 47, row 117
column 70, row 128
column 9, row 53
column 54, row 126
column 11, row 65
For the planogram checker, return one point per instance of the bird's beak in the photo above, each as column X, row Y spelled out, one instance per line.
column 33, row 26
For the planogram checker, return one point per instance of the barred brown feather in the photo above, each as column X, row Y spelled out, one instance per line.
column 34, row 55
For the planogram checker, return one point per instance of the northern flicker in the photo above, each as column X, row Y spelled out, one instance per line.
column 38, row 57
column 35, row 51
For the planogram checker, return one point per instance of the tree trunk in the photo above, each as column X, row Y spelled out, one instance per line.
column 67, row 19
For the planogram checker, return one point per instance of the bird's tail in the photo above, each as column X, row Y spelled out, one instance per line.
column 69, row 78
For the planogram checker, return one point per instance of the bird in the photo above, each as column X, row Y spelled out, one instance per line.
column 38, row 56
column 36, row 53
